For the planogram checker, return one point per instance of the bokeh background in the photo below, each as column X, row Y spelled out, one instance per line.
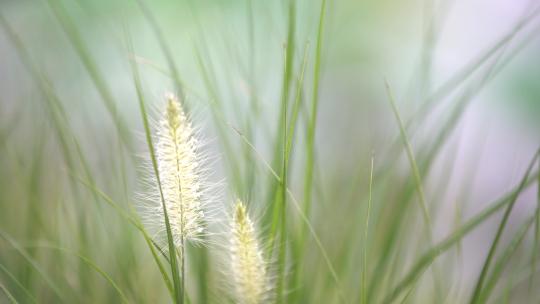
column 466, row 81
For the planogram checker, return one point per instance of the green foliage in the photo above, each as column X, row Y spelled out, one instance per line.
column 72, row 229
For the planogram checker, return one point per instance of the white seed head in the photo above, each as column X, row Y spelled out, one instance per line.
column 247, row 262
column 179, row 172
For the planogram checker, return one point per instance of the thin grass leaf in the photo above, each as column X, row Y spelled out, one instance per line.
column 417, row 179
column 470, row 68
column 412, row 162
column 137, row 224
column 164, row 48
column 44, row 275
column 55, row 111
column 312, row 124
column 98, row 80
column 177, row 281
column 424, row 167
column 363, row 279
column 503, row 259
column 426, row 259
column 8, row 294
column 217, row 113
column 303, row 217
column 18, row 283
column 479, row 284
column 92, row 265
column 429, row 157
column 536, row 243
column 297, row 248
column 517, row 278
column 278, row 207
column 464, row 73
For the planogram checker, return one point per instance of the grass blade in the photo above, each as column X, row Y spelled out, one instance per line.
column 303, row 217
column 298, row 247
column 502, row 225
column 18, row 283
column 164, row 47
column 425, row 260
column 8, row 294
column 57, row 291
column 536, row 243
column 503, row 260
column 137, row 224
column 177, row 281
column 98, row 80
column 363, row 286
column 412, row 161
column 92, row 265
column 311, row 127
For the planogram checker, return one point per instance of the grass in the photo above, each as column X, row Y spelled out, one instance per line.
column 327, row 223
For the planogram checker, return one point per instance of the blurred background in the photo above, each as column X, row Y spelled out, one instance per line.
column 465, row 77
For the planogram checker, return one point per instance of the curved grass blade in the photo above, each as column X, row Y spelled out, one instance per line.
column 464, row 73
column 178, row 282
column 442, row 136
column 503, row 260
column 425, row 260
column 311, row 127
column 280, row 195
column 57, row 291
column 18, row 283
column 8, row 294
column 164, row 48
column 137, row 224
column 502, row 225
column 363, row 286
column 91, row 264
column 297, row 247
column 303, row 217
column 412, row 161
column 536, row 242
column 82, row 51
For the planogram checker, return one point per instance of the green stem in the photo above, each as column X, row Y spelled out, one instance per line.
column 366, row 233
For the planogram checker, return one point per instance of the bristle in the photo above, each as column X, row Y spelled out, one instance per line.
column 248, row 265
column 179, row 172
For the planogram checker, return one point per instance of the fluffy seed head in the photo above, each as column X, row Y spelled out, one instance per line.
column 179, row 172
column 248, row 266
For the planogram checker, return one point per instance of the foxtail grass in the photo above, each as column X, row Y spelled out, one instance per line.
column 248, row 265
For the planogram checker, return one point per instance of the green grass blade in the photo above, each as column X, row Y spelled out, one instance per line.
column 303, row 217
column 311, row 127
column 464, row 73
column 18, row 283
column 56, row 289
column 480, row 282
column 412, row 161
column 433, row 150
column 425, row 260
column 363, row 279
column 55, row 111
column 8, row 294
column 296, row 247
column 177, row 281
column 278, row 207
column 164, row 48
column 503, row 260
column 536, row 243
column 219, row 119
column 98, row 80
column 92, row 265
column 137, row 224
